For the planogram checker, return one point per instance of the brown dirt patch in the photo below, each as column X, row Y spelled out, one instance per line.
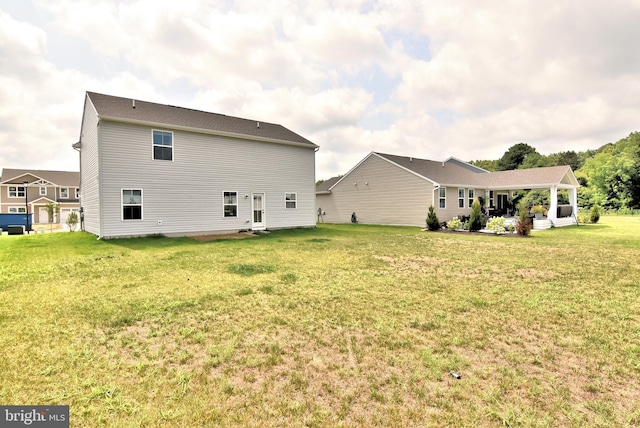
column 238, row 235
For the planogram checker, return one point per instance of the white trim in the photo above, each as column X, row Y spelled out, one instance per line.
column 45, row 191
column 64, row 197
column 294, row 200
column 461, row 198
column 263, row 224
column 224, row 204
column 122, row 204
column 24, row 190
column 153, row 145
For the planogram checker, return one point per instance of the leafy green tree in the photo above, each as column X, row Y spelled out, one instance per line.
column 570, row 158
column 515, row 156
column 614, row 173
column 476, row 219
column 432, row 219
column 535, row 160
column 489, row 165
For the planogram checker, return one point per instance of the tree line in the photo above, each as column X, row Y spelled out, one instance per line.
column 609, row 176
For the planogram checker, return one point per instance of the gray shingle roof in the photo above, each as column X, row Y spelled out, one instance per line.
column 440, row 172
column 60, row 178
column 327, row 184
column 455, row 173
column 118, row 108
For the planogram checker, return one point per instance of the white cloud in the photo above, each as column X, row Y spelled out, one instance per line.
column 344, row 74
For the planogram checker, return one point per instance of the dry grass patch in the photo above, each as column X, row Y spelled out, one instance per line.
column 344, row 325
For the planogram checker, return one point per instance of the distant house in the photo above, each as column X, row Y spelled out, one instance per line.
column 30, row 189
column 148, row 168
column 389, row 189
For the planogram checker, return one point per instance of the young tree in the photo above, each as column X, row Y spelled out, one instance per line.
column 52, row 211
column 523, row 224
column 475, row 221
column 72, row 221
column 432, row 219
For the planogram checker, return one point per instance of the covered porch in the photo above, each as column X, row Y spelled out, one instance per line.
column 554, row 179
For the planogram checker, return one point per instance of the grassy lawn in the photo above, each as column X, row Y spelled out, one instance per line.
column 343, row 325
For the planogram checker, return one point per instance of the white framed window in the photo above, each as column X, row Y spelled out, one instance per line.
column 43, row 191
column 77, row 193
column 442, row 197
column 230, row 204
column 131, row 204
column 16, row 191
column 17, row 210
column 460, row 198
column 472, row 196
column 64, row 193
column 291, row 200
column 162, row 145
column 491, row 203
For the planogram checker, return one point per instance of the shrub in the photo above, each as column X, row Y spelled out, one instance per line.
column 475, row 221
column 72, row 221
column 594, row 213
column 432, row 219
column 584, row 216
column 523, row 224
column 538, row 209
column 454, row 224
column 496, row 224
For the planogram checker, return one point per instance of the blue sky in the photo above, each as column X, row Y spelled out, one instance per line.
column 429, row 79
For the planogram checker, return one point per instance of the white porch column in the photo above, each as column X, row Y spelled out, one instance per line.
column 573, row 200
column 553, row 204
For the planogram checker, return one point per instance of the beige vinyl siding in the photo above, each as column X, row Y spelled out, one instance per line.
column 186, row 195
column 452, row 209
column 384, row 194
column 89, row 170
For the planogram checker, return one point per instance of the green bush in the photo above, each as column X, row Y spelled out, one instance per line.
column 496, row 224
column 476, row 219
column 454, row 224
column 432, row 219
column 594, row 213
column 523, row 224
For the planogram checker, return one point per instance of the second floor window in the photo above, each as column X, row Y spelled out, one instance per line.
column 162, row 145
column 64, row 193
column 16, row 192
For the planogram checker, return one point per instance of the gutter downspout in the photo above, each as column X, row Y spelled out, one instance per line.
column 78, row 147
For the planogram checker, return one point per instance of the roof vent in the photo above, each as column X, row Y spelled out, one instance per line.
column 410, row 159
column 257, row 124
column 133, row 103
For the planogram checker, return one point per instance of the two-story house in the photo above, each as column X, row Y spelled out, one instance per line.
column 23, row 190
column 148, row 168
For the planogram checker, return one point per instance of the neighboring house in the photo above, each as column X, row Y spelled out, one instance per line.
column 150, row 168
column 40, row 188
column 389, row 189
